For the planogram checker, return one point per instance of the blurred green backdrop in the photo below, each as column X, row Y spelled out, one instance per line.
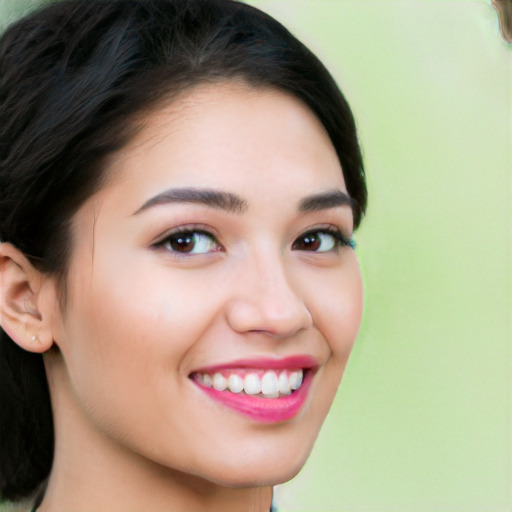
column 422, row 422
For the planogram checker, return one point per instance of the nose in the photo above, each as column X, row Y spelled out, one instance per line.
column 266, row 301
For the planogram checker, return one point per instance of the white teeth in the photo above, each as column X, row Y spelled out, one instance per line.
column 235, row 383
column 269, row 384
column 252, row 384
column 219, row 382
column 207, row 380
column 295, row 379
column 284, row 385
column 272, row 384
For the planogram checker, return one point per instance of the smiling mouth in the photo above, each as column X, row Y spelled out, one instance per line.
column 265, row 390
column 253, row 382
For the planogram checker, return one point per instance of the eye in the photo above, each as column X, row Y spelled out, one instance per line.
column 190, row 242
column 322, row 240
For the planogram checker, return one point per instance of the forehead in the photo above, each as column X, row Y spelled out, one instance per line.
column 229, row 132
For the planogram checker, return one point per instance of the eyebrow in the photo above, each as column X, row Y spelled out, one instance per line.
column 325, row 200
column 233, row 203
column 209, row 197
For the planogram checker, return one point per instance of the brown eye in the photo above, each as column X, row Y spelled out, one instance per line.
column 182, row 243
column 191, row 242
column 317, row 241
column 309, row 242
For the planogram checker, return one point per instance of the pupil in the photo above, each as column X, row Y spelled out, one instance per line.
column 183, row 243
column 311, row 242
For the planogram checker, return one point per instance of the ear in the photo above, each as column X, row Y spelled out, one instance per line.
column 26, row 301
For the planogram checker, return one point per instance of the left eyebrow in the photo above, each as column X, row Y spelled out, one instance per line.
column 325, row 200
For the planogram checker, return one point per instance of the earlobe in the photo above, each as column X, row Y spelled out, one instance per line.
column 24, row 312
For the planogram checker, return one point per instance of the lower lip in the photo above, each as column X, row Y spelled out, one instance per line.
column 263, row 410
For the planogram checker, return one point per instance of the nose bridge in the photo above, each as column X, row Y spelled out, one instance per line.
column 268, row 300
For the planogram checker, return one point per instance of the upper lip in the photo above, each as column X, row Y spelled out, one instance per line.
column 306, row 362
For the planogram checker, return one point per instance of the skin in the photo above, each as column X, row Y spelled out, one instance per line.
column 133, row 432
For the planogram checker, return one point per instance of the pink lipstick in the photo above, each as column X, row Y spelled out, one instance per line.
column 266, row 390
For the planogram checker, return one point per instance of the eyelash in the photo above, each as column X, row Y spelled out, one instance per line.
column 340, row 239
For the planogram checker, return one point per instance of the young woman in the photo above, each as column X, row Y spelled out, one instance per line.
column 179, row 184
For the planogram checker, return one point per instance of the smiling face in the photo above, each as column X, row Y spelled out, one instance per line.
column 218, row 255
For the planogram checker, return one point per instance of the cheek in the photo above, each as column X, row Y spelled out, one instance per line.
column 339, row 308
column 132, row 318
column 337, row 313
column 125, row 343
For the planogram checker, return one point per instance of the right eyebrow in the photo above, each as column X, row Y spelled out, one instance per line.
column 210, row 197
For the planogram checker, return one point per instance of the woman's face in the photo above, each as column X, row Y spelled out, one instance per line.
column 217, row 255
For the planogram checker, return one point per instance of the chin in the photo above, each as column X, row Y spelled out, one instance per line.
column 263, row 472
column 258, row 478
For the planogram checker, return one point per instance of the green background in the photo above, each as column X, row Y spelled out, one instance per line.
column 422, row 422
